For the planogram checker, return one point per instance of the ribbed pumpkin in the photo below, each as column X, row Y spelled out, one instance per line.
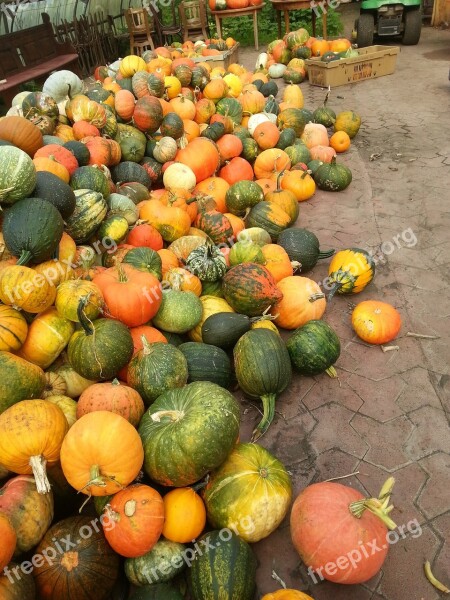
column 250, row 289
column 31, row 434
column 13, row 329
column 101, row 454
column 17, row 176
column 300, row 183
column 155, row 568
column 133, row 520
column 156, row 368
column 87, row 571
column 207, row 262
column 332, row 177
column 90, row 210
column 113, row 396
column 269, row 216
column 303, row 300
column 350, row 271
column 17, row 589
column 263, row 370
column 175, row 453
column 251, row 491
column 101, row 348
column 20, row 380
column 21, row 133
column 47, row 337
column 23, row 288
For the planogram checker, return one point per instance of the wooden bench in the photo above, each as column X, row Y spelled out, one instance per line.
column 31, row 54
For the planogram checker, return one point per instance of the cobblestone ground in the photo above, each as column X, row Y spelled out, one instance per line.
column 387, row 413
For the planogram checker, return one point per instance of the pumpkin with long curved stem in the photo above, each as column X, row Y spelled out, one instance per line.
column 376, row 322
column 101, row 454
column 350, row 271
column 31, row 434
column 330, row 521
column 303, row 246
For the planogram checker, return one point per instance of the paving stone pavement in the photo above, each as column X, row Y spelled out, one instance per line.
column 387, row 413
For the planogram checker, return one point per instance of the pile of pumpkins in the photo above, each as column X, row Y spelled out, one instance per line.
column 232, row 4
column 148, row 252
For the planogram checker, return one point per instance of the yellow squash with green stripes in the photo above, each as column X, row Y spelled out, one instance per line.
column 350, row 271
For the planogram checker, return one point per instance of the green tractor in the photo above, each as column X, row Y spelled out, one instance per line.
column 388, row 18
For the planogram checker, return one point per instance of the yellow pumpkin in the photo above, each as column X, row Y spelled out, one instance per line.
column 349, row 122
column 234, row 84
column 265, row 324
column 184, row 515
column 67, row 405
column 350, row 271
column 69, row 294
column 47, row 337
column 13, row 329
column 172, row 85
column 132, row 64
column 299, row 183
column 287, row 595
column 171, row 222
column 24, row 288
column 211, row 305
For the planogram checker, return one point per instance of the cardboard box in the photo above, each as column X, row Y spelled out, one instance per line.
column 225, row 59
column 373, row 61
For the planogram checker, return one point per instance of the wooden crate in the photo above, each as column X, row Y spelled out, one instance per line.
column 373, row 61
column 225, row 59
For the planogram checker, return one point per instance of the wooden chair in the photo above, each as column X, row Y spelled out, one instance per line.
column 193, row 19
column 167, row 31
column 141, row 26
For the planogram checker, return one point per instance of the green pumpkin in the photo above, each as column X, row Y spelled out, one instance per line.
column 156, row 368
column 32, row 230
column 226, row 570
column 17, row 175
column 307, row 115
column 101, row 348
column 230, row 107
column 207, row 362
column 20, row 380
column 313, row 165
column 324, row 115
column 207, row 263
column 246, row 252
column 243, row 195
column 90, row 178
column 303, row 246
column 301, row 52
column 150, row 146
column 160, row 591
column 314, row 348
column 254, row 234
column 287, row 138
column 212, row 288
column 269, row 89
column 200, row 77
column 174, row 338
column 291, row 118
column 250, row 289
column 90, row 210
column 80, row 151
column 270, row 217
column 272, row 105
column 189, row 431
column 114, row 229
column 132, row 143
column 160, row 565
column 250, row 150
column 263, row 370
column 293, row 76
column 99, row 94
column 242, row 133
column 124, row 207
column 126, row 83
column 330, row 57
column 298, row 153
column 146, row 260
column 224, row 329
column 152, row 167
column 130, row 171
column 179, row 311
column 333, row 177
column 214, row 131
column 172, row 126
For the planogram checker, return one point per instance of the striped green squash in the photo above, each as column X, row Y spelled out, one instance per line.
column 17, row 175
column 91, row 178
column 207, row 363
column 90, row 210
column 161, row 564
column 226, row 568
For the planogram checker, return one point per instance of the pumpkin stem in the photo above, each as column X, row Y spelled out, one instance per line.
column 331, row 371
column 279, row 178
column 315, row 297
column 146, row 345
column 296, row 266
column 334, row 288
column 326, row 253
column 268, row 402
column 174, row 415
column 122, row 275
column 37, row 464
column 115, row 381
column 25, row 257
column 377, row 506
column 99, row 480
column 85, row 322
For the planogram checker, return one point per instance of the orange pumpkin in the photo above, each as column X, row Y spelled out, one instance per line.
column 229, row 146
column 278, row 262
column 114, row 397
column 302, row 301
column 267, row 185
column 270, row 163
column 237, row 169
column 323, row 153
column 300, row 183
column 201, row 156
column 215, row 90
column 171, row 222
column 169, row 260
column 50, row 165
column 9, row 540
column 82, row 129
column 185, row 515
column 100, row 151
column 237, row 224
column 133, row 520
column 204, row 110
column 183, row 280
column 376, row 322
column 146, row 235
column 340, row 45
column 252, row 102
column 124, row 102
column 287, row 594
column 315, row 134
column 101, row 453
column 21, row 133
column 180, row 198
column 216, row 187
column 183, row 107
column 22, row 287
column 191, row 129
column 340, row 141
column 266, row 135
column 319, row 47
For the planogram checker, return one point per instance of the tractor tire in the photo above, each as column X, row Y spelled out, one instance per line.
column 413, row 27
column 364, row 30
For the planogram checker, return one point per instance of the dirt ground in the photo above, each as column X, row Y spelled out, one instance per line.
column 387, row 413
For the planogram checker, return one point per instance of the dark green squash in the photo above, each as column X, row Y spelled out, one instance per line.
column 47, row 139
column 333, row 177
column 200, row 77
column 298, row 153
column 250, row 149
column 98, row 93
column 152, row 167
column 172, row 126
column 291, row 118
column 224, row 329
column 214, row 131
column 272, row 106
column 188, row 431
column 242, row 132
column 100, row 348
column 132, row 143
column 263, row 370
column 230, row 107
column 133, row 190
column 258, row 83
column 173, row 338
column 80, row 151
column 17, row 588
column 287, row 138
column 32, row 230
column 207, row 262
column 207, row 362
column 160, row 565
column 130, row 171
column 303, row 246
column 313, row 165
column 160, row 591
column 88, row 575
column 90, row 210
column 90, row 178
column 301, row 52
column 53, row 189
column 250, row 289
column 307, row 115
column 145, row 259
column 156, row 368
column 330, row 56
column 294, row 76
column 212, row 288
column 269, row 89
column 150, row 146
column 225, row 570
column 314, row 348
column 20, row 380
column 324, row 115
column 243, row 195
